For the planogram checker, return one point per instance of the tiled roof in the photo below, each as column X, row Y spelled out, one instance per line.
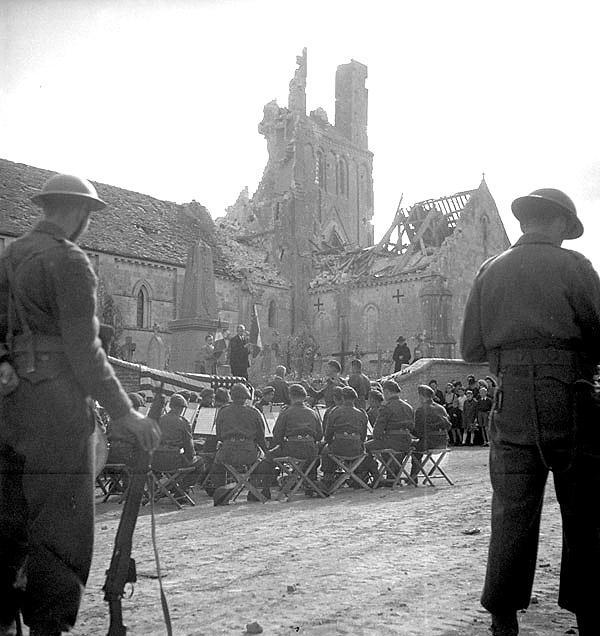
column 133, row 225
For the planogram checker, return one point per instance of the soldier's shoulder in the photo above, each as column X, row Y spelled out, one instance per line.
column 405, row 405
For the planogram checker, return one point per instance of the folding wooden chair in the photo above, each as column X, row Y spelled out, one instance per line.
column 294, row 477
column 389, row 464
column 348, row 467
column 167, row 479
column 112, row 481
column 167, row 483
column 430, row 465
column 241, row 475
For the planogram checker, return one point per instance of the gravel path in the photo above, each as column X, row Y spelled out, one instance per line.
column 359, row 563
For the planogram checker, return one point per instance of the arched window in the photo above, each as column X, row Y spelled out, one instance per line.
column 342, row 177
column 320, row 170
column 272, row 317
column 370, row 328
column 142, row 317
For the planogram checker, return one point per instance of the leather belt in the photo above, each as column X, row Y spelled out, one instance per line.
column 526, row 357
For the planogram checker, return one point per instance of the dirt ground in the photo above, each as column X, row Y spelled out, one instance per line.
column 359, row 563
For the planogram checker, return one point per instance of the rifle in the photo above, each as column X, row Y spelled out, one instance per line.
column 122, row 567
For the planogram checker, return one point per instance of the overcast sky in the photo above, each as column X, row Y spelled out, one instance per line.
column 164, row 97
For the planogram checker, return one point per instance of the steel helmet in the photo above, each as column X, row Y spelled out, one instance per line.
column 550, row 200
column 70, row 186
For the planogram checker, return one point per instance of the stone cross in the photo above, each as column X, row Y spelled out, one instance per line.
column 128, row 348
column 398, row 296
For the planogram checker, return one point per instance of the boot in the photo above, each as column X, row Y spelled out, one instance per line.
column 505, row 624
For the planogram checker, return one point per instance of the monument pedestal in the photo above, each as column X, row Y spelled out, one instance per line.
column 188, row 338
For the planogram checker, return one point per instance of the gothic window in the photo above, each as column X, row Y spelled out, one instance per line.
column 272, row 316
column 320, row 170
column 277, row 210
column 142, row 318
column 342, row 177
column 370, row 328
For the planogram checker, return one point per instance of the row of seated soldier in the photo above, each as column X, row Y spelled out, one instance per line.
column 239, row 433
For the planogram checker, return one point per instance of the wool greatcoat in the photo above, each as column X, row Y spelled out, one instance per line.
column 534, row 314
column 46, row 457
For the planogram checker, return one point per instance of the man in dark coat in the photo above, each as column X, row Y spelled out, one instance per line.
column 51, row 367
column 239, row 353
column 332, row 381
column 534, row 314
column 401, row 354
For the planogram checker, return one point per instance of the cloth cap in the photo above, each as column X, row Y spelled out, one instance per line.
column 425, row 390
column 297, row 391
column 348, row 393
column 177, row 401
column 240, row 391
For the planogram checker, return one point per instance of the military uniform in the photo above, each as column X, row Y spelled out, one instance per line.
column 46, row 460
column 534, row 314
column 297, row 431
column 282, row 392
column 241, row 431
column 345, row 435
column 362, row 385
column 392, row 428
column 326, row 393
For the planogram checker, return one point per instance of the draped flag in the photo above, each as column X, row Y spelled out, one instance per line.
column 254, row 337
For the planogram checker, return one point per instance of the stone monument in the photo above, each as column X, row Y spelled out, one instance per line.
column 156, row 353
column 198, row 313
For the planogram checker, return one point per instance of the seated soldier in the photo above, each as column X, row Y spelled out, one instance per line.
column 282, row 395
column 375, row 402
column 333, row 380
column 266, row 399
column 345, row 435
column 176, row 437
column 431, row 427
column 394, row 423
column 240, row 436
column 338, row 400
column 297, row 431
column 218, row 399
column 207, row 398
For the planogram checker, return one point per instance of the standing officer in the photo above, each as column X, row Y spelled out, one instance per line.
column 534, row 314
column 239, row 353
column 51, row 366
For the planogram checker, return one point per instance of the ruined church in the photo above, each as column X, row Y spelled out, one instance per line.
column 300, row 252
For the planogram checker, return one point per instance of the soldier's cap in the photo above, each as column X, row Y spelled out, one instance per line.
column 68, row 185
column 208, row 392
column 137, row 400
column 392, row 386
column 268, row 389
column 377, row 395
column 222, row 395
column 425, row 390
column 348, row 393
column 401, row 339
column 240, row 392
column 549, row 200
column 177, row 401
column 334, row 364
column 297, row 391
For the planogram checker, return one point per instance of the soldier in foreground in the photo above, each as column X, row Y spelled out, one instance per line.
column 534, row 314
column 51, row 365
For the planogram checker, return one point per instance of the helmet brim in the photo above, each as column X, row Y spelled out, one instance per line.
column 523, row 206
column 94, row 203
